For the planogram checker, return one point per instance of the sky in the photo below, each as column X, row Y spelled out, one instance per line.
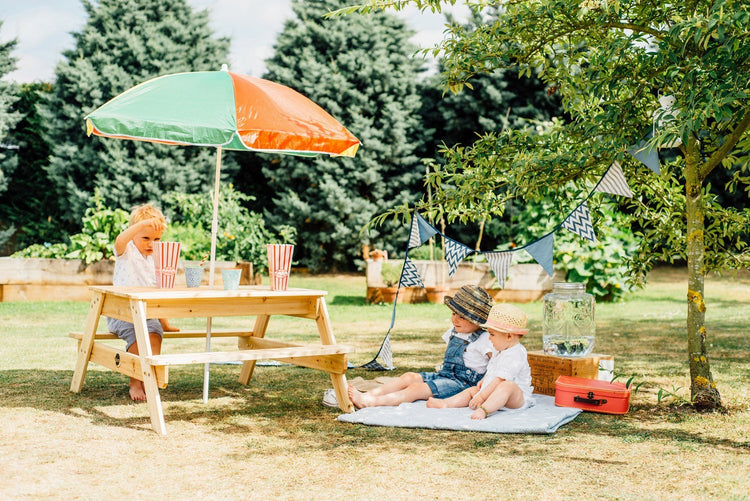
column 43, row 27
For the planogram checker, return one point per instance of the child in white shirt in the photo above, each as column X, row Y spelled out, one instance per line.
column 134, row 267
column 507, row 382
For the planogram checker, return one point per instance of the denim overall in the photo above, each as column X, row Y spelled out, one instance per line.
column 454, row 376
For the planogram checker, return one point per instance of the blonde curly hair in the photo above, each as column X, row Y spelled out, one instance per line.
column 147, row 211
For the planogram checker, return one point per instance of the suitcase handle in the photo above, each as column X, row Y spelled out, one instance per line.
column 590, row 399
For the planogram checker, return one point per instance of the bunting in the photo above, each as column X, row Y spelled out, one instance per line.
column 579, row 222
column 500, row 264
column 421, row 231
column 455, row 252
column 614, row 182
column 410, row 277
column 384, row 353
column 541, row 251
column 646, row 155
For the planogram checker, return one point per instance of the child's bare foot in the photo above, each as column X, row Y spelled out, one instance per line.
column 137, row 391
column 436, row 403
column 358, row 398
column 479, row 414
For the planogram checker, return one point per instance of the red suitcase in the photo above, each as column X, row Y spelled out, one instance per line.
column 592, row 395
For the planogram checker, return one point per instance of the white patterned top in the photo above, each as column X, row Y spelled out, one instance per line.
column 134, row 269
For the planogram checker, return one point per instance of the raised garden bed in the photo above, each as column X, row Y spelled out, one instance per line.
column 68, row 279
column 525, row 282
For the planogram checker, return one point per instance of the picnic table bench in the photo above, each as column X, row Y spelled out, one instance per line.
column 136, row 304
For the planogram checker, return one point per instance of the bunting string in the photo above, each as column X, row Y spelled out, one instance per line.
column 541, row 250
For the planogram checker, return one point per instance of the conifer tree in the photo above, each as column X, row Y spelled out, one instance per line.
column 8, row 119
column 360, row 70
column 124, row 43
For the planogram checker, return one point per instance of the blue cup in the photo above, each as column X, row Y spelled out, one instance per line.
column 193, row 276
column 231, row 279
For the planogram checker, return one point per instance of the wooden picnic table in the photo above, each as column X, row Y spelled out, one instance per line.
column 136, row 304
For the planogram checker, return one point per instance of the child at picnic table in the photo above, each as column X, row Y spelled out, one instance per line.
column 134, row 267
column 507, row 382
column 464, row 363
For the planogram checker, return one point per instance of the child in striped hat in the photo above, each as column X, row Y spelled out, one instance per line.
column 507, row 382
column 464, row 363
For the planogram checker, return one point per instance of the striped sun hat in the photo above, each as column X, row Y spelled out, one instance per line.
column 470, row 302
column 505, row 317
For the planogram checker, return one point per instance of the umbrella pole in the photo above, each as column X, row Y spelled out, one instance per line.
column 214, row 231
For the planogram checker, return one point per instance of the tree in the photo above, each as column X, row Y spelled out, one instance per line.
column 610, row 61
column 34, row 212
column 359, row 69
column 8, row 119
column 124, row 43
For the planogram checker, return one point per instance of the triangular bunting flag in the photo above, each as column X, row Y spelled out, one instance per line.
column 541, row 251
column 579, row 222
column 455, row 252
column 410, row 276
column 645, row 155
column 614, row 182
column 421, row 231
column 500, row 263
column 385, row 354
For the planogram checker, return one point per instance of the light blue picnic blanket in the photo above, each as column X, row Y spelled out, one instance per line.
column 544, row 417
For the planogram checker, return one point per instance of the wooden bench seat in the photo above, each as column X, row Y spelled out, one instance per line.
column 172, row 335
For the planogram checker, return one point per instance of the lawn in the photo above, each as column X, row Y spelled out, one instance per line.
column 274, row 439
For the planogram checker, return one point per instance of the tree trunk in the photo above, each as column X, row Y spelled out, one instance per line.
column 703, row 391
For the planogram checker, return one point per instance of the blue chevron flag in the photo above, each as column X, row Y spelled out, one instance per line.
column 410, row 276
column 455, row 252
column 579, row 222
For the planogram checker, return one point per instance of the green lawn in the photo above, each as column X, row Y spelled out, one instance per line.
column 274, row 439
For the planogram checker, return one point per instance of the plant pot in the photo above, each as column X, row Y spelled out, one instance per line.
column 388, row 294
column 436, row 294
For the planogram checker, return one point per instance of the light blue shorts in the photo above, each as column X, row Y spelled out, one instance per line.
column 442, row 386
column 126, row 330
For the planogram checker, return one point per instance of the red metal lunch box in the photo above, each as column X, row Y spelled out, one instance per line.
column 592, row 395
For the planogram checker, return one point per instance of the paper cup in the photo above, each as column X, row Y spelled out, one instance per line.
column 166, row 256
column 231, row 279
column 279, row 265
column 193, row 276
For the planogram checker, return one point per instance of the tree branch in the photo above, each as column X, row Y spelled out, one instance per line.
column 729, row 144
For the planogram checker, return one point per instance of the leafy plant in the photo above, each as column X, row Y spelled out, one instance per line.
column 601, row 265
column 390, row 272
column 96, row 240
column 242, row 234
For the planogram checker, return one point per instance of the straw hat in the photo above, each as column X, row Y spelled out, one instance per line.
column 507, row 318
column 470, row 302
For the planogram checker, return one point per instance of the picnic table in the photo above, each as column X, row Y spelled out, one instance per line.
column 136, row 304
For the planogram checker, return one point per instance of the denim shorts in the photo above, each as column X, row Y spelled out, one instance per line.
column 126, row 330
column 441, row 386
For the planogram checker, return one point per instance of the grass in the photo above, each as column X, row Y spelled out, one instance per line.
column 274, row 439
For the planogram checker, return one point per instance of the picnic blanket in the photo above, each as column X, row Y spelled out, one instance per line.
column 542, row 418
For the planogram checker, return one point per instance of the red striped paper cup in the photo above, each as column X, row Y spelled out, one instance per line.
column 279, row 265
column 166, row 257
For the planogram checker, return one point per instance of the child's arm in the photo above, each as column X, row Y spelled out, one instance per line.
column 131, row 231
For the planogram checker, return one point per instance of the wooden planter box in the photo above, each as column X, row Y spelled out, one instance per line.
column 525, row 282
column 68, row 279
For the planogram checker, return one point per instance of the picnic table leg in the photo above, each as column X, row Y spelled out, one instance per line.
column 138, row 308
column 87, row 342
column 259, row 330
column 326, row 337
